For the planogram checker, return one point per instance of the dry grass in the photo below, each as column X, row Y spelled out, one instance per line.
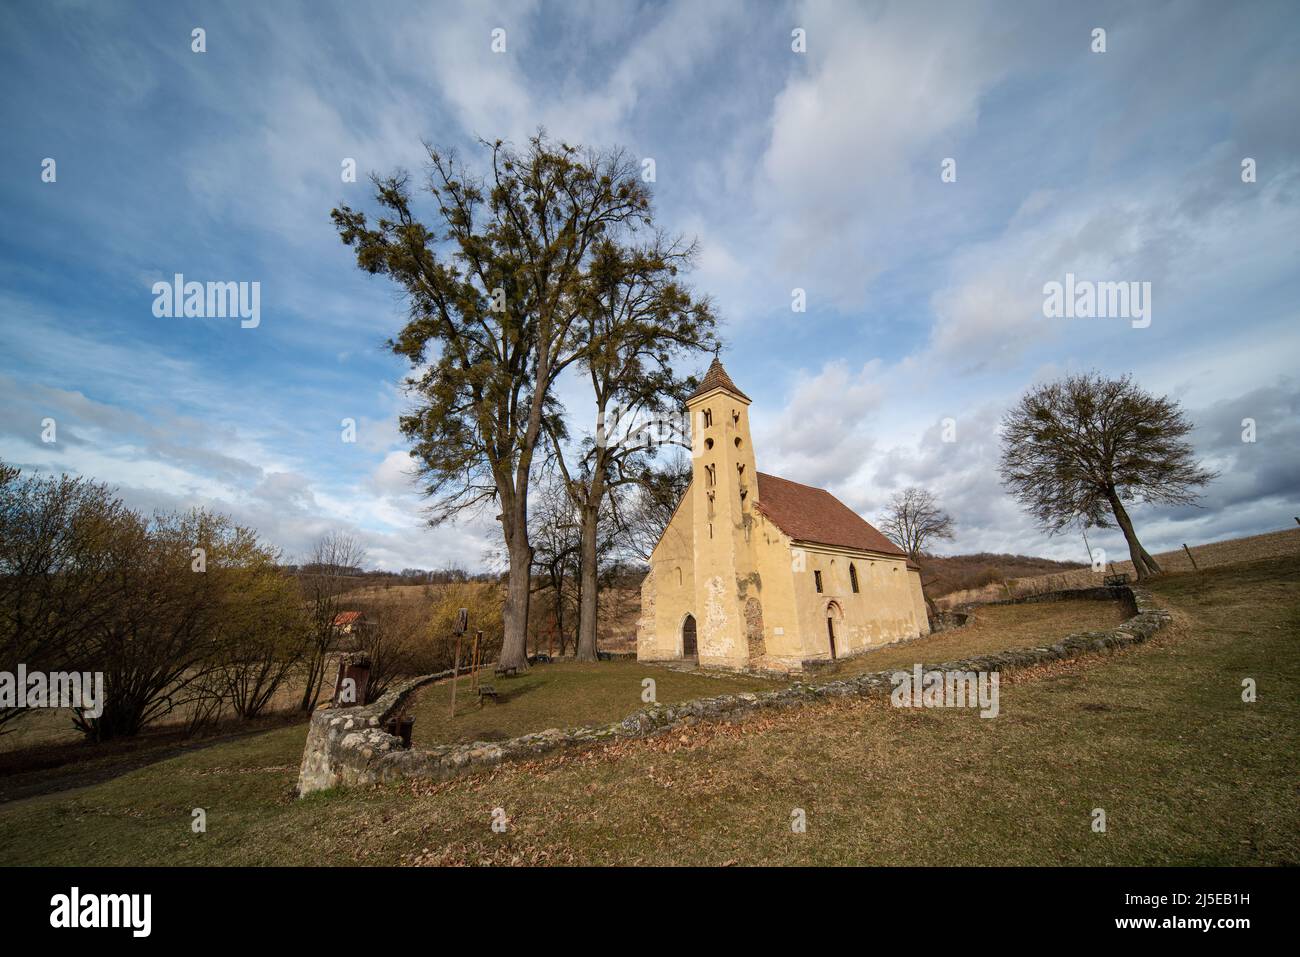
column 51, row 728
column 572, row 694
column 562, row 695
column 995, row 628
column 1280, row 544
column 944, row 574
column 620, row 609
column 39, row 727
column 1157, row 735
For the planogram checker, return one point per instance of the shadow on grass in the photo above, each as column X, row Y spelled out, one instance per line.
column 46, row 769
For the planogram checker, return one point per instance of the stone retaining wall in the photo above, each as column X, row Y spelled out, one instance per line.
column 348, row 746
column 948, row 620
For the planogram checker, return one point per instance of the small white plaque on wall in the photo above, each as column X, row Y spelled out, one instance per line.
column 778, row 631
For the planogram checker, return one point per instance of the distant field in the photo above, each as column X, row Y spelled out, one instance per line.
column 620, row 607
column 943, row 575
column 52, row 728
column 619, row 610
column 1254, row 548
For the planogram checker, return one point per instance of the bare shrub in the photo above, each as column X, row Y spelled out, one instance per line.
column 328, row 573
column 57, row 584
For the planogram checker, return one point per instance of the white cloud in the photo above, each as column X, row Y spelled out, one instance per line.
column 879, row 99
column 823, row 426
column 989, row 311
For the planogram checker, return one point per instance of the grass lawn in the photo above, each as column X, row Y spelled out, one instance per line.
column 1156, row 735
column 566, row 694
column 995, row 628
column 572, row 694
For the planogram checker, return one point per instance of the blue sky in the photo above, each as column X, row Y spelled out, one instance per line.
column 817, row 170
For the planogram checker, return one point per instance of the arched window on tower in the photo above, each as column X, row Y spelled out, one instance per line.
column 853, row 577
column 708, row 418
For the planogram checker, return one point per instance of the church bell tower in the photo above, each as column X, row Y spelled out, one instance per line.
column 724, row 488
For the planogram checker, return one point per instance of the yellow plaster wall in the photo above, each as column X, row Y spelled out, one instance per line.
column 720, row 555
column 664, row 602
column 889, row 606
column 782, row 635
column 726, row 568
column 883, row 610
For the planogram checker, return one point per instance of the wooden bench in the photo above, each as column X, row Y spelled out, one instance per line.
column 1110, row 581
column 486, row 691
column 507, row 671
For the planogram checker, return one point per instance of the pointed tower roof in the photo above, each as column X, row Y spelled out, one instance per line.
column 717, row 378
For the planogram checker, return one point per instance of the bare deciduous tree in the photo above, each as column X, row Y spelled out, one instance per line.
column 1074, row 450
column 557, row 554
column 647, row 508
column 162, row 640
column 183, row 613
column 325, row 576
column 56, row 582
column 264, row 634
column 912, row 518
column 391, row 633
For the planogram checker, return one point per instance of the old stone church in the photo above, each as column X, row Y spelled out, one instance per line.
column 758, row 572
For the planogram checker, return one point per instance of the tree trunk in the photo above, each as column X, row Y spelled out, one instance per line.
column 315, row 679
column 1143, row 563
column 305, row 703
column 1151, row 562
column 558, row 585
column 588, row 611
column 514, row 643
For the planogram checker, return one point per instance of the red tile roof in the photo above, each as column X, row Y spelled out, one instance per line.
column 347, row 618
column 814, row 515
column 717, row 378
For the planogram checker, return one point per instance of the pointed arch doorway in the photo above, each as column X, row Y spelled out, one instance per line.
column 833, row 616
column 689, row 649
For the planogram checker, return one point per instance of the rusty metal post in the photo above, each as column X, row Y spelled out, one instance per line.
column 1189, row 555
column 356, row 666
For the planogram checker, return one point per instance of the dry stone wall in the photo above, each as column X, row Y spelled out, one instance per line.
column 348, row 746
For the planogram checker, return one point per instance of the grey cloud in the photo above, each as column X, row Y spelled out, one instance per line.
column 1258, row 490
column 78, row 416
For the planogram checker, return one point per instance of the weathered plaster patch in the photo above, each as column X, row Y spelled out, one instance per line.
column 713, row 640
